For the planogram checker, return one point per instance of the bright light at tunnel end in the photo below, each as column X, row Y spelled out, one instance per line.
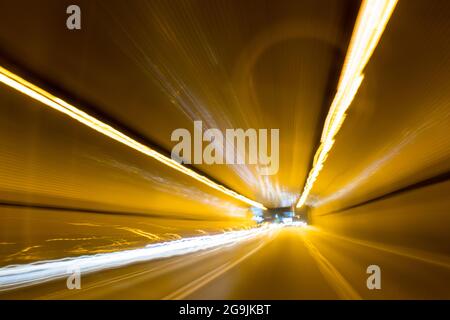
column 18, row 276
column 372, row 19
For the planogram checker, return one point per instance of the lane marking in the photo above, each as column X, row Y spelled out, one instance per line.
column 331, row 274
column 197, row 284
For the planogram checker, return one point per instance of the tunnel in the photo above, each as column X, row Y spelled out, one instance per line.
column 225, row 149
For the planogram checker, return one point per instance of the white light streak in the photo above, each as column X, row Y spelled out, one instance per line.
column 17, row 276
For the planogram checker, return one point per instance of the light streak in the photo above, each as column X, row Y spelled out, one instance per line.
column 14, row 81
column 372, row 20
column 301, row 224
column 17, row 276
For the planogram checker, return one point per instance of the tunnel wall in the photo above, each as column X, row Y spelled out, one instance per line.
column 417, row 219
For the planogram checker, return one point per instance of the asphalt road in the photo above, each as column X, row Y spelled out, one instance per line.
column 293, row 263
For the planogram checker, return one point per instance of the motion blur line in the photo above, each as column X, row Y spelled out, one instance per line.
column 141, row 233
column 430, row 258
column 336, row 280
column 210, row 276
column 17, row 276
column 29, row 89
column 147, row 273
column 372, row 20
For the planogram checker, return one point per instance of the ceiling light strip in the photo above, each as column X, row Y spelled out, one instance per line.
column 33, row 91
column 372, row 19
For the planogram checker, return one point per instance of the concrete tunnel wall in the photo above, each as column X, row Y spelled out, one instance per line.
column 416, row 219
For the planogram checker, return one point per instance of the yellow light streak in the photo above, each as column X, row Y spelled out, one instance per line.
column 372, row 19
column 14, row 81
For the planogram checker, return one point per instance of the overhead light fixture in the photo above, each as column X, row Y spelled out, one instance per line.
column 372, row 19
column 33, row 91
